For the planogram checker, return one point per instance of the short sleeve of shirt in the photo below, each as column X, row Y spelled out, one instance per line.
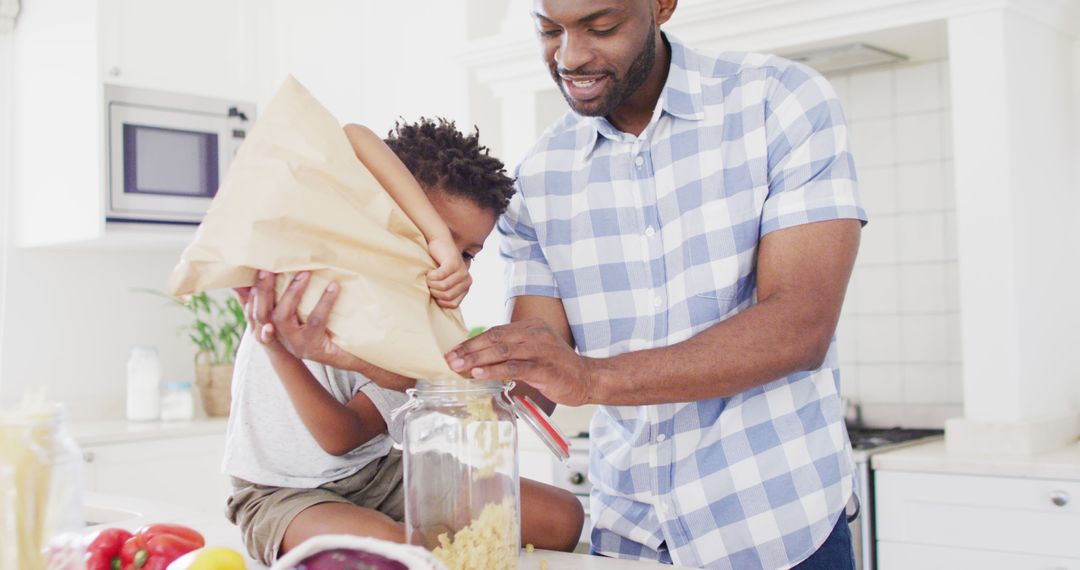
column 386, row 401
column 811, row 170
column 528, row 272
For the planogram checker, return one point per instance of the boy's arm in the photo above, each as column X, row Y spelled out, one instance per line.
column 449, row 282
column 338, row 428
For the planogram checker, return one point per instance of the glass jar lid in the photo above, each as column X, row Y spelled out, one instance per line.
column 542, row 426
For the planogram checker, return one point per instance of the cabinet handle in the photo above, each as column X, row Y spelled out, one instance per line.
column 88, row 456
column 1059, row 498
column 577, row 478
column 114, row 71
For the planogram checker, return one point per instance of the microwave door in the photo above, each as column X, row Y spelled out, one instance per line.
column 165, row 165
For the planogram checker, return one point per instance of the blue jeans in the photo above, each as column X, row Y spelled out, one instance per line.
column 836, row 553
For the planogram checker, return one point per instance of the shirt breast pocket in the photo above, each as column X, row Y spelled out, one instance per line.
column 714, row 294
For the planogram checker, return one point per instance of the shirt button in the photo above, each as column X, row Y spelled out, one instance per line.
column 664, row 508
column 657, row 301
column 649, row 231
column 661, row 437
column 639, row 161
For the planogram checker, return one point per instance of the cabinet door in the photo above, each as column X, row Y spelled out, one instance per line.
column 184, row 471
column 202, row 47
column 1025, row 516
column 900, row 556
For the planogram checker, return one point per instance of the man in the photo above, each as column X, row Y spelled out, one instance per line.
column 690, row 228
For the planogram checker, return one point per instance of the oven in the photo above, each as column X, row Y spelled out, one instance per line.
column 168, row 152
column 864, row 443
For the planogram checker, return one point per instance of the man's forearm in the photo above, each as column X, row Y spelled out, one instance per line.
column 763, row 343
column 802, row 274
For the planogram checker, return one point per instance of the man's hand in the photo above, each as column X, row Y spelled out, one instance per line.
column 530, row 351
column 451, row 280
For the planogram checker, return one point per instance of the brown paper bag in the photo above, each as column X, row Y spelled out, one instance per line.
column 296, row 198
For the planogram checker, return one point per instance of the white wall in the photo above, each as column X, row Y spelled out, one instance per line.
column 374, row 66
column 5, row 180
column 70, row 316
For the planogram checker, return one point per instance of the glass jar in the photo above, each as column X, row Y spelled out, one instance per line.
column 177, row 402
column 143, row 384
column 41, row 520
column 461, row 474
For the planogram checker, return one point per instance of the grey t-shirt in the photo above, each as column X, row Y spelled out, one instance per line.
column 266, row 441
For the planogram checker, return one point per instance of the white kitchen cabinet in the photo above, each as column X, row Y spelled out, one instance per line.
column 204, row 47
column 181, row 470
column 925, row 557
column 62, row 57
column 936, row 520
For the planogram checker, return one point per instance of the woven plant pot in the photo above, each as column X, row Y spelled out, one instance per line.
column 214, row 382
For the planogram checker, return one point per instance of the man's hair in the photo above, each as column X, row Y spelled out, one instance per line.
column 441, row 157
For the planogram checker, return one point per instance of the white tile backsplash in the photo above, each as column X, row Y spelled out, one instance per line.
column 918, row 137
column 950, row 234
column 879, row 290
column 922, row 237
column 877, row 189
column 926, row 383
column 918, row 88
column 880, row 241
column 921, row 288
column 919, row 187
column 902, row 307
column 878, row 339
column 922, row 339
column 870, row 95
column 880, row 384
column 953, row 350
column 948, row 185
column 872, row 142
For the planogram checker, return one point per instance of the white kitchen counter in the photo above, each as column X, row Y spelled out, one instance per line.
column 123, row 431
column 933, row 457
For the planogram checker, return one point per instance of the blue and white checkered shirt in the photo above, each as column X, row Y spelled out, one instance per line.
column 650, row 239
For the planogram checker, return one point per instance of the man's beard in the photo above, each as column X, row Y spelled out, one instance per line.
column 619, row 89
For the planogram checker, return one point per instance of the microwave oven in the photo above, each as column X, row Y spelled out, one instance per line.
column 168, row 152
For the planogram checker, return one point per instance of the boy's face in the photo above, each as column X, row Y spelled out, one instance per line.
column 469, row 222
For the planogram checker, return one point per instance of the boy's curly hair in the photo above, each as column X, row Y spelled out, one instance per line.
column 442, row 157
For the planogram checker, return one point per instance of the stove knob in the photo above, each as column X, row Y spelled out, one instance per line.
column 1059, row 498
column 577, row 478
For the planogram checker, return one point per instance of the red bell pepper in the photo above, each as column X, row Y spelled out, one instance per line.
column 154, row 547
column 103, row 552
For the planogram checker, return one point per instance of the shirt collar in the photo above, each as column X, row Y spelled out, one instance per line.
column 681, row 96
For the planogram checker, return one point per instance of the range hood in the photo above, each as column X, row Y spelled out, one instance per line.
column 845, row 57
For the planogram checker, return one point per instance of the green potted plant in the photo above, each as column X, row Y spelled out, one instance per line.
column 216, row 329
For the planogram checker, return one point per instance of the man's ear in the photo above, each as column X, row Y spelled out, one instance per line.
column 664, row 10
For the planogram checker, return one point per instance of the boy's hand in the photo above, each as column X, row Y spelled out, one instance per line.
column 277, row 325
column 450, row 281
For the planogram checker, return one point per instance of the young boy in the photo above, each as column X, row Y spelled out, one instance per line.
column 307, row 443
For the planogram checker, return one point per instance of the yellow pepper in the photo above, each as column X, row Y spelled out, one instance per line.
column 218, row 558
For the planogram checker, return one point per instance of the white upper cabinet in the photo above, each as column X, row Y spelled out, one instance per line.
column 203, row 47
column 65, row 51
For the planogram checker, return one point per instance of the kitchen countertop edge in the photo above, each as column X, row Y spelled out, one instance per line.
column 933, row 457
column 122, row 431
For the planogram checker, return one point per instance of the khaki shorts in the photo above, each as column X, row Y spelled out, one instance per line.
column 263, row 512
